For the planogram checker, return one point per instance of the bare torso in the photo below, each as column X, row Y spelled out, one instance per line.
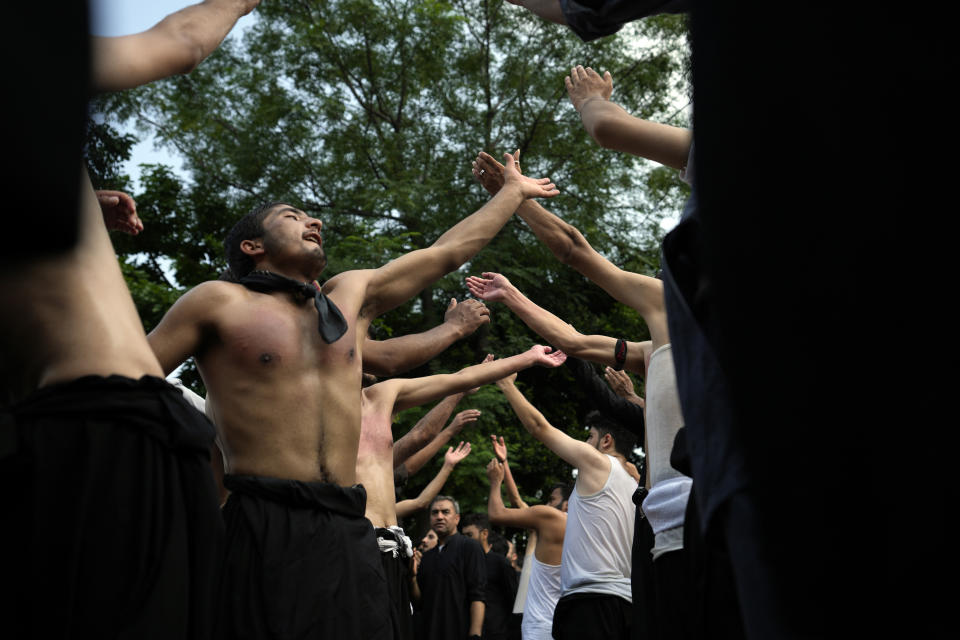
column 287, row 403
column 71, row 315
column 375, row 455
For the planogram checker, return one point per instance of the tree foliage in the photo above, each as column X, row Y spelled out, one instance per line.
column 367, row 115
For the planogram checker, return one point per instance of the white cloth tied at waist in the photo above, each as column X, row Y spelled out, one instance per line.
column 666, row 504
column 390, row 545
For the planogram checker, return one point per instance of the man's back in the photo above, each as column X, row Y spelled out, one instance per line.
column 599, row 537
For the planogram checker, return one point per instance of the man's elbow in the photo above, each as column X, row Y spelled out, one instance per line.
column 605, row 132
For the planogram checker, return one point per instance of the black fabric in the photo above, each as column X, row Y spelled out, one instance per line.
column 628, row 414
column 449, row 581
column 111, row 520
column 44, row 120
column 331, row 322
column 499, row 594
column 642, row 586
column 301, row 562
column 589, row 616
column 592, row 19
column 396, row 568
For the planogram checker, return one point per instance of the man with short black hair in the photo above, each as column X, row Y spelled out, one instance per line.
column 595, row 568
column 502, row 580
column 450, row 579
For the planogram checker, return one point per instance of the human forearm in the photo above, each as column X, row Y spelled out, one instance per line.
column 465, row 239
column 531, row 419
column 613, row 128
column 417, row 446
column 398, row 355
column 512, row 492
column 477, row 609
column 407, row 508
column 175, row 45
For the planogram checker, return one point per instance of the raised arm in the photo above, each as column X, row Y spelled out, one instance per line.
column 175, row 45
column 494, row 287
column 522, row 518
column 613, row 128
column 593, row 466
column 643, row 293
column 398, row 355
column 427, row 437
column 453, row 457
column 627, row 413
column 416, row 391
column 500, row 450
column 399, row 280
column 622, row 385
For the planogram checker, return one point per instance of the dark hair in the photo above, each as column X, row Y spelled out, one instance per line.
column 624, row 441
column 498, row 544
column 248, row 227
column 479, row 520
column 456, row 505
column 565, row 489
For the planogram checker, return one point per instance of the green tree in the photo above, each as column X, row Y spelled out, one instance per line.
column 367, row 115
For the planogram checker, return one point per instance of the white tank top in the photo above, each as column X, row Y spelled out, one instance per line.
column 542, row 599
column 598, row 542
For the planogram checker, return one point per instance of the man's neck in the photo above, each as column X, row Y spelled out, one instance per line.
column 301, row 275
column 443, row 541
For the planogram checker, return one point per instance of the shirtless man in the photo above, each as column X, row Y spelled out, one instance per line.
column 112, row 525
column 288, row 410
column 375, row 462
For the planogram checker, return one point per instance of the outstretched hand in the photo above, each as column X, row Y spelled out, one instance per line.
column 548, row 356
column 529, row 187
column 499, row 448
column 463, row 418
column 490, row 287
column 622, row 385
column 453, row 456
column 467, row 316
column 488, row 172
column 494, row 471
column 119, row 212
column 584, row 84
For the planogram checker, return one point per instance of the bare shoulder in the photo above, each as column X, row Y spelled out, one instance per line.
column 209, row 298
column 348, row 279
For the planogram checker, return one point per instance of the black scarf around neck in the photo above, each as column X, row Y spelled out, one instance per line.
column 332, row 325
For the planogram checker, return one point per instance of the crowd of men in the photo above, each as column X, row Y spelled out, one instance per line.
column 268, row 509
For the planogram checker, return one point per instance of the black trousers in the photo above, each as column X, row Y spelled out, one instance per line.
column 397, row 572
column 111, row 520
column 301, row 562
column 588, row 615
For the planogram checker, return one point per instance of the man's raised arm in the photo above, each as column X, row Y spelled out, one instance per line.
column 523, row 517
column 427, row 436
column 594, row 467
column 175, row 45
column 397, row 355
column 643, row 293
column 500, row 450
column 613, row 128
column 450, row 460
column 399, row 280
column 416, row 391
column 494, row 287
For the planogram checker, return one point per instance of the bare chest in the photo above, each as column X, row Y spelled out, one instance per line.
column 274, row 334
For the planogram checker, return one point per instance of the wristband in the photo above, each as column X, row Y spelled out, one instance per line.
column 620, row 353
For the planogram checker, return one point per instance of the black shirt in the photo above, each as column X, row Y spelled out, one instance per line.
column 501, row 591
column 450, row 579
